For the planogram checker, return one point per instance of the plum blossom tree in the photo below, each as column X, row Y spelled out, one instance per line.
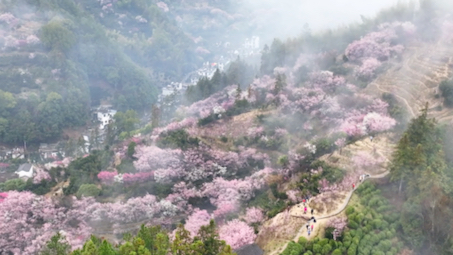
column 255, row 132
column 152, row 158
column 41, row 175
column 107, row 177
column 357, row 123
column 253, row 215
column 197, row 219
column 32, row 39
column 225, row 209
column 223, row 191
column 310, row 147
column 163, row 6
column 7, row 17
column 237, row 233
column 338, row 224
column 376, row 122
column 293, row 195
column 368, row 68
column 326, row 81
column 11, row 42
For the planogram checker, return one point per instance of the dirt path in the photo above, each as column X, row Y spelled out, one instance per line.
column 321, row 219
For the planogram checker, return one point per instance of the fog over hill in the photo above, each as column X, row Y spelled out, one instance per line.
column 288, row 18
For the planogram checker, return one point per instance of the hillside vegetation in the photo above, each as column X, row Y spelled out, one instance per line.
column 344, row 119
column 60, row 57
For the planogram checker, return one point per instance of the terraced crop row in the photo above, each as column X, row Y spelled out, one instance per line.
column 415, row 81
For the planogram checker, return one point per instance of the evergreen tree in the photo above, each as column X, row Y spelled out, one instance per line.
column 56, row 246
column 155, row 116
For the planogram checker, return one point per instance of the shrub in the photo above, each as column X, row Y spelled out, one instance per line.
column 88, row 190
column 326, row 249
column 317, row 248
column 353, row 225
column 446, row 89
column 329, row 232
column 302, row 241
column 177, row 139
column 349, row 210
column 352, row 250
column 337, row 252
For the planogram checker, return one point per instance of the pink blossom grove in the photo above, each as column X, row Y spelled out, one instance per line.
column 378, row 44
column 28, row 221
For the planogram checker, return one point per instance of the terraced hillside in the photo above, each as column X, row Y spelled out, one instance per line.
column 416, row 80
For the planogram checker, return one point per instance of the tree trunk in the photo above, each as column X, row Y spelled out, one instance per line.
column 432, row 217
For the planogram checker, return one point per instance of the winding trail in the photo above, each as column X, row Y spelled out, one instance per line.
column 340, row 209
column 303, row 232
column 381, row 146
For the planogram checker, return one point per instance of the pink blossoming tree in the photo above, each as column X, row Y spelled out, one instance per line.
column 237, row 233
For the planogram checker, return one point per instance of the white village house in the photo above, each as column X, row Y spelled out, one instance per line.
column 25, row 171
column 105, row 117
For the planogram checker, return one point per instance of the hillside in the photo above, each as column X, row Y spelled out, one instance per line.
column 340, row 118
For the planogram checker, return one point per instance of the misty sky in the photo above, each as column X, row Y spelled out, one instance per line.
column 289, row 16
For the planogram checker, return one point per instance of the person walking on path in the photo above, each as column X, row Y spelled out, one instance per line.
column 305, row 210
column 312, row 227
column 353, row 186
column 303, row 201
column 312, row 211
column 308, row 232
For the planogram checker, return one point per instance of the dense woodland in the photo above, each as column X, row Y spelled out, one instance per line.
column 78, row 53
column 242, row 148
